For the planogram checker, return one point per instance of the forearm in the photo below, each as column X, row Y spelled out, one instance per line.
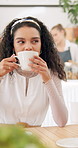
column 59, row 110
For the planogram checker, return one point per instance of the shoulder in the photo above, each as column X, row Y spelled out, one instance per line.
column 74, row 48
column 68, row 43
column 74, row 44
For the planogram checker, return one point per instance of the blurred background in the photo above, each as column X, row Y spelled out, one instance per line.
column 49, row 11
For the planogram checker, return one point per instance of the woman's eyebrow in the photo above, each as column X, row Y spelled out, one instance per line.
column 18, row 38
column 24, row 38
column 35, row 37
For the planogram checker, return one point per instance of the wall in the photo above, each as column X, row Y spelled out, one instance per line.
column 29, row 2
column 50, row 15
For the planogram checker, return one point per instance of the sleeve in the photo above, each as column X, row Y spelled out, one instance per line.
column 59, row 110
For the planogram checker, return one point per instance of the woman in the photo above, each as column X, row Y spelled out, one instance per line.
column 23, row 97
column 67, row 50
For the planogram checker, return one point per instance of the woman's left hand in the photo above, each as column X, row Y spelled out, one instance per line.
column 39, row 66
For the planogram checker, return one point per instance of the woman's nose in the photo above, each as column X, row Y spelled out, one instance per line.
column 27, row 47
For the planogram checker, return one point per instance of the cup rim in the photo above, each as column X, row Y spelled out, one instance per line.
column 27, row 51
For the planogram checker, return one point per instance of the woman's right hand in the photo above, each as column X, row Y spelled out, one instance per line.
column 7, row 65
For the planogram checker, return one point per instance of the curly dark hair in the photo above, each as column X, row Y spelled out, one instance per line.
column 49, row 52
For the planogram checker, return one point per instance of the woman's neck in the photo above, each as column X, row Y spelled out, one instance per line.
column 61, row 46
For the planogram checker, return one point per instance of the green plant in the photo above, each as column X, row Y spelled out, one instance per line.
column 16, row 137
column 71, row 7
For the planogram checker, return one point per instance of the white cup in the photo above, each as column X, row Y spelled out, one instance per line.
column 23, row 57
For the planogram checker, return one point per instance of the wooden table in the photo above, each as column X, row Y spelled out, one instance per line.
column 49, row 135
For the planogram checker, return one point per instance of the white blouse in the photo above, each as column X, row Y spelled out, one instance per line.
column 20, row 105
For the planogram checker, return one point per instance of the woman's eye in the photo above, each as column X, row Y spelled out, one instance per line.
column 20, row 42
column 35, row 41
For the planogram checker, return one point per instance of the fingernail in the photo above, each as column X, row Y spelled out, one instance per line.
column 13, row 55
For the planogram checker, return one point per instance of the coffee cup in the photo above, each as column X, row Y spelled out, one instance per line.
column 23, row 57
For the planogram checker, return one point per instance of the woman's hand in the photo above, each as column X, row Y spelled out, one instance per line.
column 40, row 66
column 7, row 65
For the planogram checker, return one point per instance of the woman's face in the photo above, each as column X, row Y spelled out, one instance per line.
column 58, row 35
column 27, row 38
